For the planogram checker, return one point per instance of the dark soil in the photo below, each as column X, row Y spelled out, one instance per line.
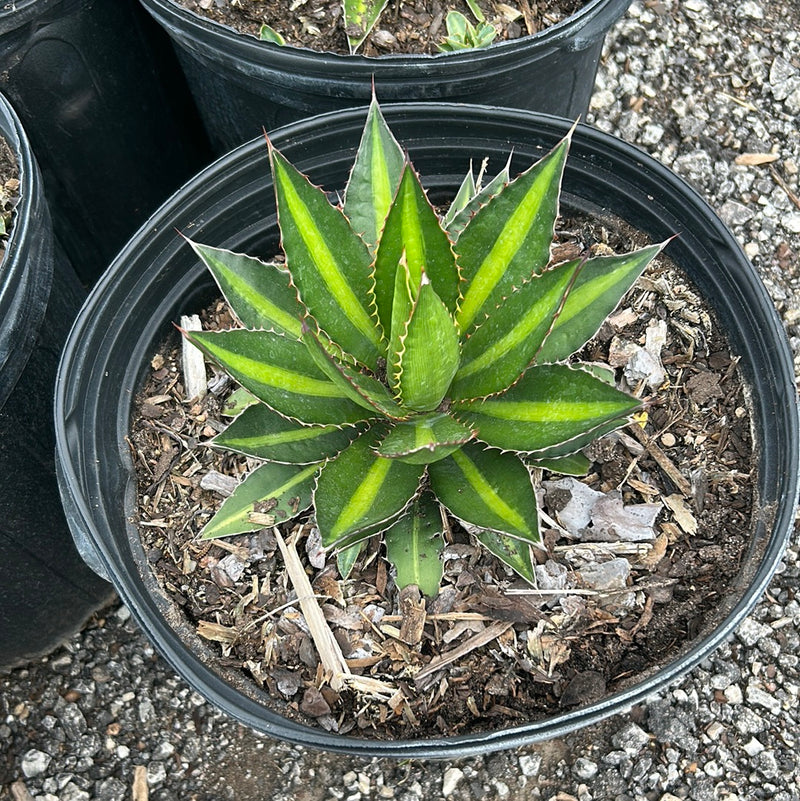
column 545, row 652
column 9, row 192
column 404, row 27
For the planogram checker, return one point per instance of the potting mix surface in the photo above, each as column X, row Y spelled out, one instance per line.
column 403, row 27
column 637, row 556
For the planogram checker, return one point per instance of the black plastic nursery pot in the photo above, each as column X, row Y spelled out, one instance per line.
column 46, row 590
column 102, row 98
column 242, row 85
column 231, row 204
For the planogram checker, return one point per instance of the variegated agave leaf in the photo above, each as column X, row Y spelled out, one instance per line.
column 400, row 365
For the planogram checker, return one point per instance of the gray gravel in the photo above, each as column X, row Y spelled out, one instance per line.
column 695, row 83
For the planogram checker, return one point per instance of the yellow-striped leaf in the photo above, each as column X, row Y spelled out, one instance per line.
column 598, row 289
column 515, row 553
column 359, row 490
column 363, row 389
column 258, row 361
column 508, row 239
column 496, row 354
column 374, row 178
column 413, row 228
column 429, row 355
column 258, row 292
column 457, row 222
column 548, row 406
column 425, row 438
column 575, row 464
column 329, row 263
column 260, row 432
column 414, row 544
column 269, row 495
column 489, row 489
column 360, row 17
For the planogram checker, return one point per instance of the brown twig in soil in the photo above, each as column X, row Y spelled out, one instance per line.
column 662, row 460
column 482, row 638
column 331, row 656
column 330, row 653
column 527, row 13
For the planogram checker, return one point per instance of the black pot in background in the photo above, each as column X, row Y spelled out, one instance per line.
column 242, row 85
column 231, row 204
column 46, row 590
column 102, row 98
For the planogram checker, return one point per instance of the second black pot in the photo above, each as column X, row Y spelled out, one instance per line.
column 46, row 590
column 157, row 277
column 242, row 85
column 101, row 96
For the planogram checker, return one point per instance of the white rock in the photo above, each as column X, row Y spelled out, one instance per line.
column 751, row 631
column 611, row 575
column 529, row 764
column 791, row 222
column 755, row 695
column 753, row 748
column 35, row 762
column 733, row 694
column 450, row 780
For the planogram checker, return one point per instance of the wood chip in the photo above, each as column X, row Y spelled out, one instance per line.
column 194, row 366
column 662, row 460
column 412, row 609
column 683, row 515
column 140, row 790
column 330, row 653
column 216, row 632
column 755, row 159
column 19, row 791
column 483, row 638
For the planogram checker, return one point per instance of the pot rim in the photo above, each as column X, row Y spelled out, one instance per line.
column 24, row 286
column 82, row 499
column 584, row 26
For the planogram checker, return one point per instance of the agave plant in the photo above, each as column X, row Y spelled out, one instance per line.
column 400, row 366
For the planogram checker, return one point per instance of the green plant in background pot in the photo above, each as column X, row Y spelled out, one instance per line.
column 401, row 366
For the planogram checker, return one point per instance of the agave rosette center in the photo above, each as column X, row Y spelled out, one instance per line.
column 400, row 364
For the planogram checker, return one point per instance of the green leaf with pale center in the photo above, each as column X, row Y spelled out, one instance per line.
column 489, row 489
column 498, row 351
column 359, row 489
column 425, row 438
column 258, row 292
column 575, row 464
column 273, row 492
column 237, row 402
column 413, row 228
column 430, row 352
column 374, row 178
column 329, row 263
column 465, row 193
column 457, row 222
column 346, row 558
column 260, row 432
column 598, row 289
column 549, row 405
column 515, row 553
column 280, row 372
column 360, row 17
column 414, row 544
column 365, row 390
column 508, row 239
